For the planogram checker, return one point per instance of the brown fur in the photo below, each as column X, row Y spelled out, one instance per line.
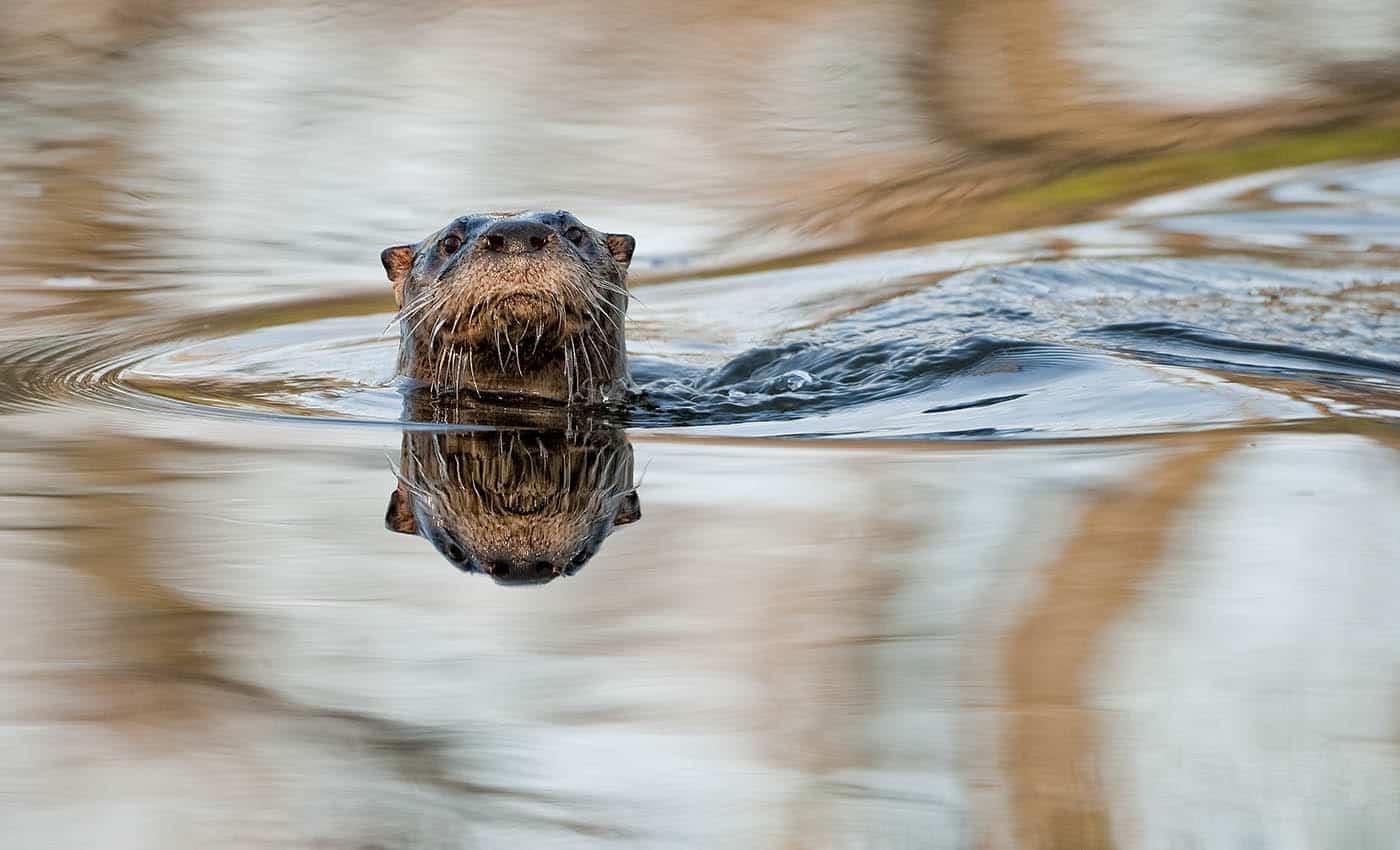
column 514, row 305
column 523, row 506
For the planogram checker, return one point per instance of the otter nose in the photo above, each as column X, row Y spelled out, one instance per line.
column 515, row 237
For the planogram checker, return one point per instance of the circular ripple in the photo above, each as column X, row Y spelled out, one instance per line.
column 982, row 355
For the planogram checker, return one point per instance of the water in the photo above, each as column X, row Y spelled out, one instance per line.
column 1080, row 534
column 1077, row 331
column 886, row 644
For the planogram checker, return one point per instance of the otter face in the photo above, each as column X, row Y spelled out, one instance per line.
column 524, row 507
column 504, row 293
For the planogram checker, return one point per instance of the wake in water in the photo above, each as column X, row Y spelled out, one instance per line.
column 983, row 339
column 1074, row 331
column 1050, row 349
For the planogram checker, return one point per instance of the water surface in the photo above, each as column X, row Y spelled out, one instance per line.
column 1080, row 536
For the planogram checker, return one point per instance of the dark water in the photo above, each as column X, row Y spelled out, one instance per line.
column 1080, row 535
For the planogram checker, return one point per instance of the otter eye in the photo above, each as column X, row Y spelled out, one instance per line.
column 451, row 243
column 576, row 236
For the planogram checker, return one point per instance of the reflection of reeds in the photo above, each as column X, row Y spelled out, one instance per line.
column 890, row 121
column 1008, row 77
column 115, row 534
column 979, row 197
column 1053, row 735
column 73, row 225
column 821, row 636
column 144, row 668
column 1011, row 107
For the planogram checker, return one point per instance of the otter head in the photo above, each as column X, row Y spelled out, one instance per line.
column 523, row 304
column 524, row 507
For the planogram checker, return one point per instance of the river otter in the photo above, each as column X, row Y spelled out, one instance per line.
column 514, row 305
column 523, row 506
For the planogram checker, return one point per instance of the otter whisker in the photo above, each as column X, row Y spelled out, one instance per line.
column 418, row 322
column 615, row 315
column 442, row 359
column 569, row 367
column 581, row 366
column 586, row 346
column 609, row 286
column 593, row 352
column 515, row 349
column 619, row 290
column 562, row 310
column 563, row 319
column 420, row 492
column 417, row 303
column 535, row 346
column 614, row 319
column 426, row 315
column 421, row 305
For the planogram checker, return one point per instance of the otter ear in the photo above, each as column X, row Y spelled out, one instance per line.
column 629, row 511
column 621, row 246
column 397, row 260
column 399, row 517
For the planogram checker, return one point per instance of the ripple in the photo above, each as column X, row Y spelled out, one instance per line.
column 1067, row 348
column 1122, row 378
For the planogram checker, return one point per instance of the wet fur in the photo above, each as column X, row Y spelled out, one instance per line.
column 521, row 506
column 548, row 324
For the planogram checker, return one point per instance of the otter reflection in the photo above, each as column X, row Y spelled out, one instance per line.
column 522, row 506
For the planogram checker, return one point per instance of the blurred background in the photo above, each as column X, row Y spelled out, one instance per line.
column 207, row 137
column 1027, row 472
